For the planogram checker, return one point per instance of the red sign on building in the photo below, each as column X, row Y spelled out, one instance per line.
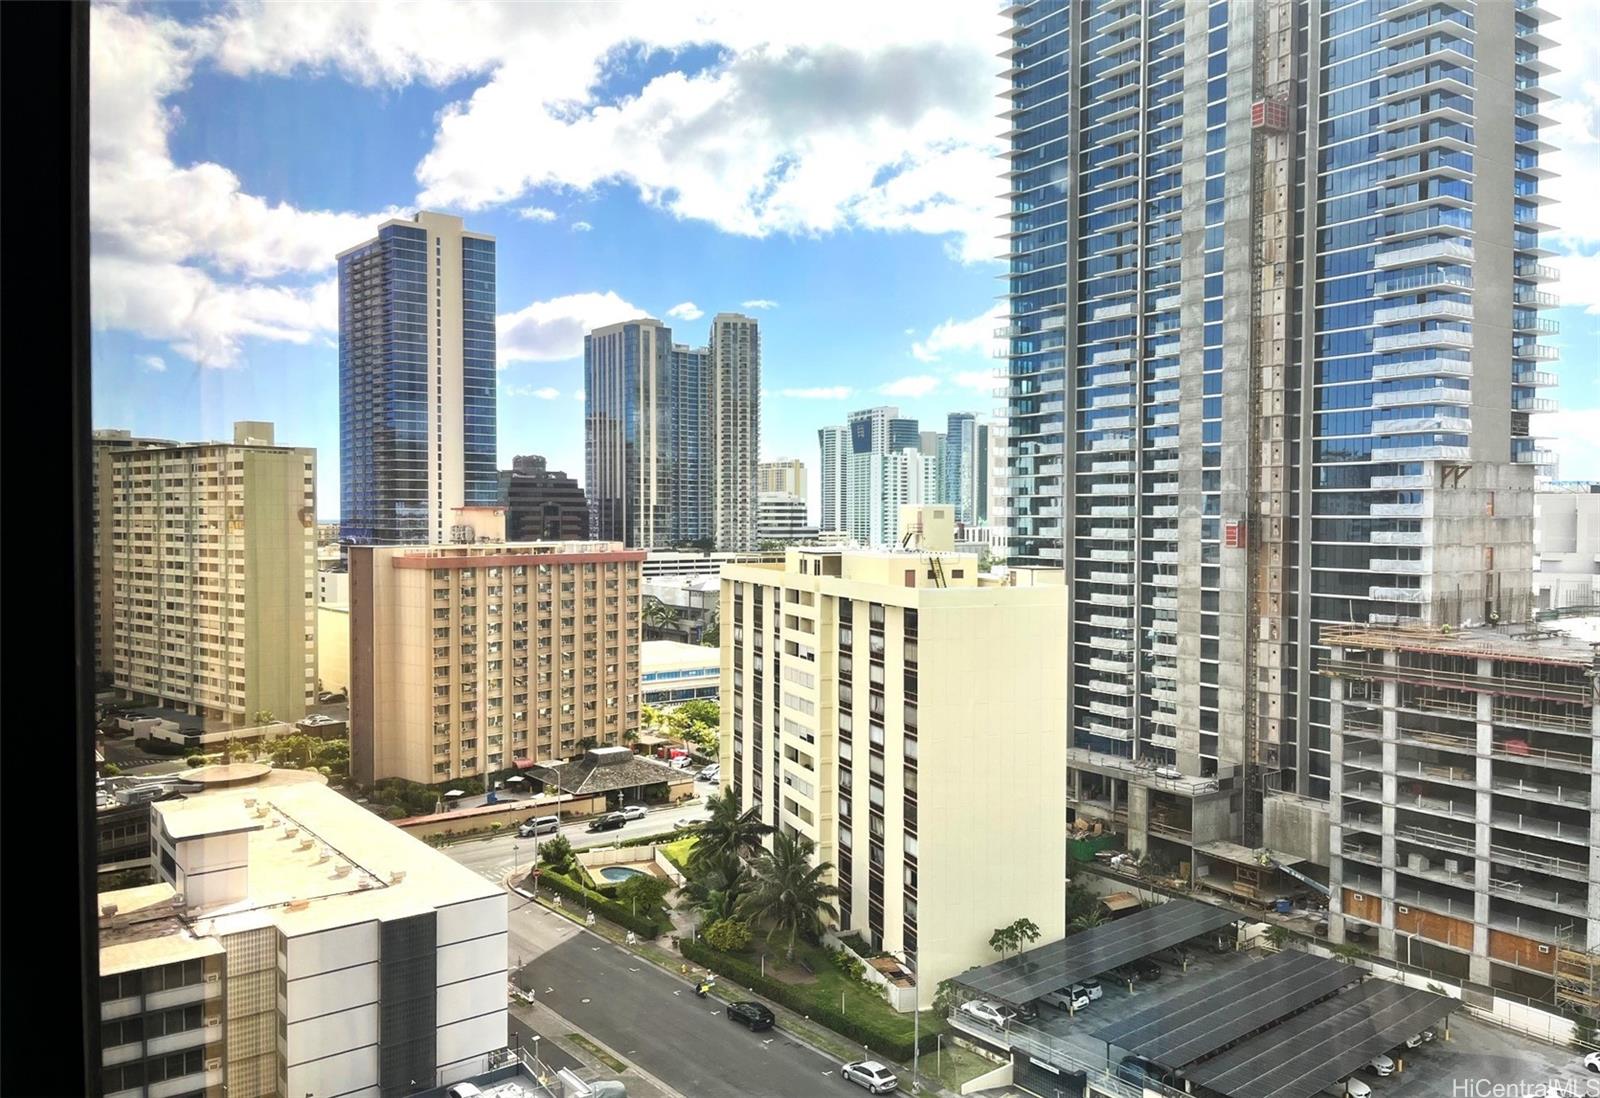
column 1233, row 535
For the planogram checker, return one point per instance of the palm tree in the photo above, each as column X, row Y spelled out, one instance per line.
column 727, row 832
column 659, row 615
column 1087, row 920
column 789, row 892
column 716, row 888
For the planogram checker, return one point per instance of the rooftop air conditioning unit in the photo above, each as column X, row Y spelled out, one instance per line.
column 363, row 884
column 108, row 911
column 397, row 876
column 249, row 802
column 341, row 870
column 290, row 831
column 307, row 844
column 213, row 977
column 214, row 1064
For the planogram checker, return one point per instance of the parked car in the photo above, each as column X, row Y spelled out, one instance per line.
column 1090, row 988
column 990, row 1014
column 751, row 1014
column 329, row 697
column 609, row 822
column 710, row 774
column 1073, row 998
column 1141, row 971
column 635, row 811
column 1420, row 1039
column 1349, row 1088
column 538, row 825
column 1591, row 1062
column 1381, row 1065
column 872, row 1075
column 1173, row 955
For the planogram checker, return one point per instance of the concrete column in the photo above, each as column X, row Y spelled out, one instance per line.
column 1138, row 818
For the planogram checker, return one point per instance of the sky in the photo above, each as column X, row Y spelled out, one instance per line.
column 827, row 167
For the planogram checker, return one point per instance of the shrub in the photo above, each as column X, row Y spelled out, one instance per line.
column 729, row 935
column 641, row 925
column 161, row 747
column 196, row 760
column 556, row 854
column 111, row 770
column 870, row 1031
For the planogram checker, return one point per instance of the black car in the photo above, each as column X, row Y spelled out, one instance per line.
column 752, row 1015
column 1145, row 969
column 609, row 822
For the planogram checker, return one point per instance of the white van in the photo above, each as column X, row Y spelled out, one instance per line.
column 538, row 825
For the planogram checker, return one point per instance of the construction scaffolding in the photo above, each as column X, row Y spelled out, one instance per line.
column 1576, row 972
column 1267, row 531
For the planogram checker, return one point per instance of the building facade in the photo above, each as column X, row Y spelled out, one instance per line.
column 781, row 517
column 672, row 434
column 210, row 564
column 295, row 943
column 106, row 442
column 1462, row 814
column 1264, row 307
column 542, row 504
column 964, row 471
column 417, row 431
column 736, row 428
column 833, row 444
column 880, row 703
column 1566, row 534
column 785, row 475
column 673, row 673
column 467, row 659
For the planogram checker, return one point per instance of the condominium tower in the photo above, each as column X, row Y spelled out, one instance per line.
column 416, row 380
column 1275, row 297
column 785, row 475
column 871, row 468
column 672, row 434
column 833, row 444
column 872, row 699
column 964, row 469
column 107, row 442
column 208, row 566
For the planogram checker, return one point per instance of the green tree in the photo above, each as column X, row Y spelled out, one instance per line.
column 711, row 630
column 697, row 722
column 727, row 831
column 1014, row 937
column 335, row 755
column 714, row 887
column 111, row 770
column 1278, row 936
column 728, row 935
column 657, row 615
column 789, row 893
column 652, row 719
column 1087, row 920
column 1080, row 902
column 643, row 895
column 556, row 854
column 295, row 751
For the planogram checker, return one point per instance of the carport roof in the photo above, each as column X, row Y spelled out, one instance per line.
column 1325, row 1044
column 1027, row 976
column 1180, row 1030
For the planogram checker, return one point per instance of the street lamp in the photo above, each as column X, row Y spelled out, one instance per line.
column 916, row 1017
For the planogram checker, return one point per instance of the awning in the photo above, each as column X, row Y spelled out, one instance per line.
column 455, row 793
column 525, row 764
column 515, row 778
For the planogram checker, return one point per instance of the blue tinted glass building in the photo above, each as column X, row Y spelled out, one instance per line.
column 1274, row 335
column 416, row 381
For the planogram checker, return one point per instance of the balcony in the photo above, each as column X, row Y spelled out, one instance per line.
column 1423, row 367
column 1408, row 341
column 1396, row 510
column 1423, row 253
column 1394, row 314
column 1410, row 595
column 1429, row 394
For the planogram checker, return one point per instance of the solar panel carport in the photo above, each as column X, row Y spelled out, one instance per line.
column 1025, row 977
column 1325, row 1044
column 1197, row 1023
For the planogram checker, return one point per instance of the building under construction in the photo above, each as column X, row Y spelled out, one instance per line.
column 1464, row 798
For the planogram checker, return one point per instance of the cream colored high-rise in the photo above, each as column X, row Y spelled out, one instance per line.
column 785, row 475
column 466, row 659
column 210, row 558
column 908, row 716
column 106, row 443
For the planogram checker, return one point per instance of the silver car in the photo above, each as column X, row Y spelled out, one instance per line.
column 872, row 1075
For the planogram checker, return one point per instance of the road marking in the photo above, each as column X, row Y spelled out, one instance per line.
column 679, row 992
column 583, row 1000
column 633, row 970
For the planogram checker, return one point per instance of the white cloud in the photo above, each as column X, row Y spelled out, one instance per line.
column 578, row 395
column 975, row 336
column 1580, row 281
column 540, row 392
column 759, row 303
column 1575, row 437
column 154, row 364
column 979, row 381
column 686, row 310
column 917, row 385
column 536, row 213
column 581, row 226
column 549, row 331
column 820, row 392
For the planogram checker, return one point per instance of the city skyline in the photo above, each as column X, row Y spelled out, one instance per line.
column 247, row 289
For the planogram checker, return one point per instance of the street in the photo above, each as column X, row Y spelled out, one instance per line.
column 493, row 858
column 655, row 1020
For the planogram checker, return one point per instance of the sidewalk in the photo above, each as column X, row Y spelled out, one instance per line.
column 813, row 1034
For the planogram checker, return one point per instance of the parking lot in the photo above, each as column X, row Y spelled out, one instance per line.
column 1473, row 1059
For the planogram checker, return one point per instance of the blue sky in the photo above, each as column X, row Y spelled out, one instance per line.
column 631, row 161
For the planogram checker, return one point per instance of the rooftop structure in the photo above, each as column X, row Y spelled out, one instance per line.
column 672, row 673
column 610, row 770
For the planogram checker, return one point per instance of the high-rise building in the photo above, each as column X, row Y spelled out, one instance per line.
column 542, row 504
column 210, row 562
column 107, row 442
column 1566, row 539
column 833, row 443
column 295, row 943
column 964, row 472
column 963, row 705
column 735, row 366
column 416, row 380
column 672, row 434
column 468, row 658
column 1270, row 318
column 784, row 475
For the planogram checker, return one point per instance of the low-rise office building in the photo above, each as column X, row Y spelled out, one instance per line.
column 908, row 716
column 673, row 672
column 468, row 659
column 781, row 517
column 1464, row 802
column 296, row 944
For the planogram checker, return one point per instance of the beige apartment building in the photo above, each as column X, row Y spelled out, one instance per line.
column 784, row 475
column 108, row 441
column 208, row 575
column 468, row 659
column 908, row 716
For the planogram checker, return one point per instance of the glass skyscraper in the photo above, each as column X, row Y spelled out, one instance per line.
column 1274, row 289
column 416, row 381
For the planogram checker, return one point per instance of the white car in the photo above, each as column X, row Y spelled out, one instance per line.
column 872, row 1075
column 1420, row 1039
column 710, row 774
column 635, row 811
column 1381, row 1065
column 990, row 1014
column 1090, row 988
column 1074, row 998
column 1591, row 1062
